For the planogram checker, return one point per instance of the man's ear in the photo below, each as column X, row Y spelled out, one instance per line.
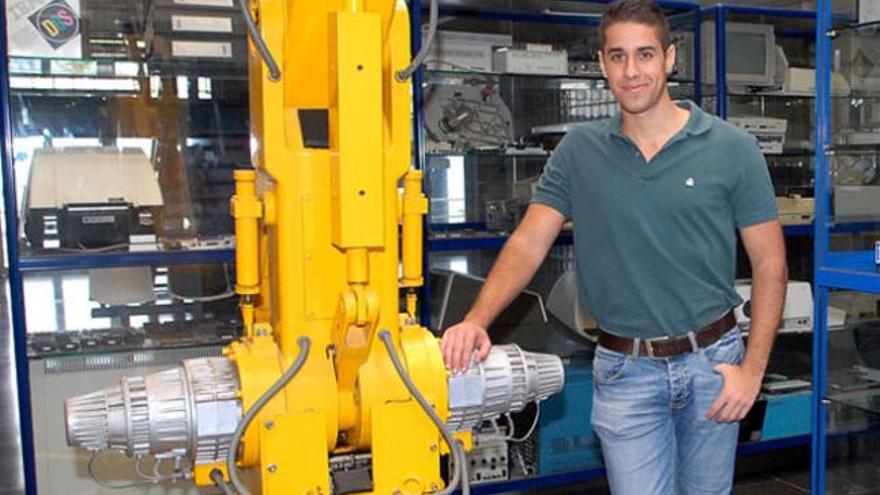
column 602, row 64
column 670, row 59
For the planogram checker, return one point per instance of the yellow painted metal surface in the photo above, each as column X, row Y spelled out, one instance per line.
column 202, row 473
column 405, row 450
column 294, row 471
column 356, row 146
column 321, row 252
column 415, row 206
column 259, row 366
column 247, row 210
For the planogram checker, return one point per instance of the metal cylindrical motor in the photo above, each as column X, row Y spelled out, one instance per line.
column 191, row 410
column 507, row 380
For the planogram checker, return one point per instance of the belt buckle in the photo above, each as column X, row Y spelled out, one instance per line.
column 649, row 345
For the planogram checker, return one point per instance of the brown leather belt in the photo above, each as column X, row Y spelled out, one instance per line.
column 670, row 346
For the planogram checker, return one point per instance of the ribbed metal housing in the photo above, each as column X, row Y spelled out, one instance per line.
column 188, row 410
column 507, row 380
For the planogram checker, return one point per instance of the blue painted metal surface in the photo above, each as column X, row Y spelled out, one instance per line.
column 846, row 228
column 766, row 11
column 820, row 246
column 855, row 280
column 786, row 417
column 768, row 445
column 419, row 159
column 16, row 289
column 566, row 440
column 548, row 18
column 721, row 62
column 440, row 227
column 137, row 258
column 483, row 242
column 551, row 17
column 698, row 58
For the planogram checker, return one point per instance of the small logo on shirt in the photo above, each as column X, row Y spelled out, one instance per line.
column 690, row 182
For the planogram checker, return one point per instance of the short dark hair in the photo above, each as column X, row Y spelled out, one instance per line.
column 637, row 11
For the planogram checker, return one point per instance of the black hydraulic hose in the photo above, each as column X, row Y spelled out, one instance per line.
column 455, row 450
column 274, row 71
column 235, row 443
column 217, row 478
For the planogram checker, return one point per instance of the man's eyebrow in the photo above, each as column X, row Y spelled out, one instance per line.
column 646, row 48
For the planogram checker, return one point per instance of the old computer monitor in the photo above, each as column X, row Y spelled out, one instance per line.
column 751, row 53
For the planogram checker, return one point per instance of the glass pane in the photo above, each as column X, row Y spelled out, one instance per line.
column 127, row 125
column 492, row 189
column 853, row 448
column 129, row 308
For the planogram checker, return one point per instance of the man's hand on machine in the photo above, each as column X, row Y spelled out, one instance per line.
column 463, row 341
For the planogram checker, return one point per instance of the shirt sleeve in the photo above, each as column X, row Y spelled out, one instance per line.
column 553, row 186
column 753, row 198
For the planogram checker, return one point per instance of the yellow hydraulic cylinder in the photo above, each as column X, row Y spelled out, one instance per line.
column 247, row 210
column 357, row 261
column 415, row 206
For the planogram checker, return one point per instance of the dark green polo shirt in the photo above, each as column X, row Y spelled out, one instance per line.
column 655, row 242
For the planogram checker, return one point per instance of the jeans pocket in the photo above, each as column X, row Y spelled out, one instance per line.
column 609, row 366
column 729, row 349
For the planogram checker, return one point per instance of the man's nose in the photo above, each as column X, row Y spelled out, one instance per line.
column 629, row 69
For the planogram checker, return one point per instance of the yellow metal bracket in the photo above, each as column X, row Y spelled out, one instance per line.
column 293, row 454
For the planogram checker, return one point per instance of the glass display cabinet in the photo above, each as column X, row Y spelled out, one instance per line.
column 126, row 122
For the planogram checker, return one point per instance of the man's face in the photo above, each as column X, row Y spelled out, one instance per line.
column 635, row 65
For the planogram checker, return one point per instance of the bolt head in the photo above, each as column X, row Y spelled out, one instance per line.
column 272, row 468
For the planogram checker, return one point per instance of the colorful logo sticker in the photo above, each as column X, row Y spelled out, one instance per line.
column 57, row 23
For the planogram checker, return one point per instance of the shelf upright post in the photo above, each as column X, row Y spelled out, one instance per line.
column 16, row 287
column 820, row 244
column 698, row 56
column 721, row 61
column 418, row 150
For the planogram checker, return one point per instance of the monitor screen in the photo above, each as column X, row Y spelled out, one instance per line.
column 750, row 50
column 746, row 53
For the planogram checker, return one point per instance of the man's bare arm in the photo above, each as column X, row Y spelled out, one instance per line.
column 516, row 265
column 765, row 246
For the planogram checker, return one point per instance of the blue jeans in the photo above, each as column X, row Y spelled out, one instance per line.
column 650, row 416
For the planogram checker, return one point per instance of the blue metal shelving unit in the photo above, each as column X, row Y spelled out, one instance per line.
column 22, row 379
column 681, row 12
column 841, row 270
column 136, row 258
column 494, row 242
column 19, row 264
column 720, row 15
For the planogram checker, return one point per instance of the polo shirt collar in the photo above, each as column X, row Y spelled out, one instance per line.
column 698, row 122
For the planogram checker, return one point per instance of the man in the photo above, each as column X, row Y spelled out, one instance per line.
column 656, row 195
